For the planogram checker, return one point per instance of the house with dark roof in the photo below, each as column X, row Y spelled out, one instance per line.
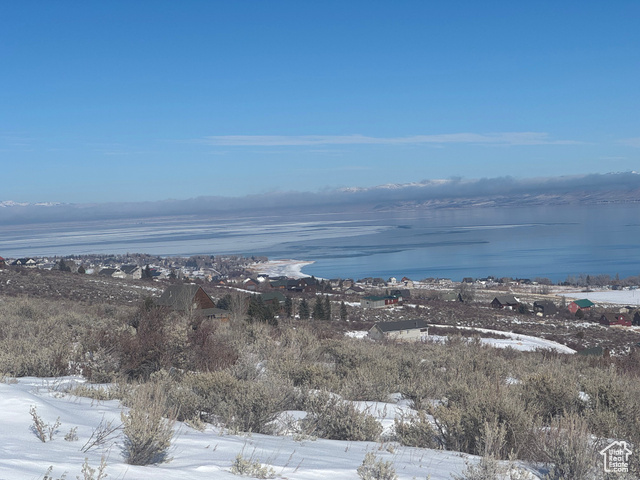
column 354, row 290
column 112, row 272
column 508, row 302
column 250, row 284
column 610, row 319
column 582, row 304
column 373, row 301
column 25, row 262
column 405, row 330
column 275, row 298
column 402, row 294
column 3, row 263
column 191, row 298
column 544, row 308
column 132, row 271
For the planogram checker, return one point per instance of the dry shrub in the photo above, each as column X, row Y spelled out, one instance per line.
column 219, row 397
column 210, row 346
column 613, row 405
column 251, row 467
column 416, row 431
column 333, row 418
column 374, row 469
column 552, row 392
column 317, row 376
column 158, row 342
column 36, row 337
column 566, row 447
column 366, row 371
column 147, row 426
column 461, row 420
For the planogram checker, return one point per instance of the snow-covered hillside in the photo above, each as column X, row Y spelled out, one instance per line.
column 195, row 455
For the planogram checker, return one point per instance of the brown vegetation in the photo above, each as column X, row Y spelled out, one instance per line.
column 467, row 397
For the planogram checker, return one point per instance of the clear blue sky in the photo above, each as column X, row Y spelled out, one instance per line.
column 148, row 100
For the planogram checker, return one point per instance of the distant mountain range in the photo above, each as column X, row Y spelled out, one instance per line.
column 10, row 203
column 450, row 193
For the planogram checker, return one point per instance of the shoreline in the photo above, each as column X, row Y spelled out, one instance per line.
column 285, row 267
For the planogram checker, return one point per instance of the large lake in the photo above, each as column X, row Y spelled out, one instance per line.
column 529, row 242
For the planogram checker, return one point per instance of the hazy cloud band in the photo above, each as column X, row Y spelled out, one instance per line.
column 502, row 138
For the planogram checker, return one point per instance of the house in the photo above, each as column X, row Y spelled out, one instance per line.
column 378, row 302
column 582, row 304
column 407, row 282
column 3, row 263
column 276, row 298
column 354, row 290
column 402, row 294
column 544, row 308
column 451, row 297
column 24, row 262
column 406, row 330
column 191, row 297
column 307, row 285
column 281, row 283
column 610, row 319
column 112, row 272
column 132, row 271
column 250, row 284
column 508, row 302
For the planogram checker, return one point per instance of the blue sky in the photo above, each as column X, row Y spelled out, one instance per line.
column 150, row 100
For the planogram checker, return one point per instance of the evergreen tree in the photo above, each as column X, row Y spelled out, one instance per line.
column 343, row 311
column 225, row 302
column 304, row 309
column 327, row 308
column 318, row 309
column 260, row 311
column 288, row 307
column 63, row 267
column 146, row 273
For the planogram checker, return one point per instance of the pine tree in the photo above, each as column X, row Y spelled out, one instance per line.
column 288, row 307
column 327, row 308
column 343, row 311
column 146, row 273
column 304, row 309
column 318, row 309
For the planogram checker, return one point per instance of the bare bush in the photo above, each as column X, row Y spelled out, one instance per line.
column 44, row 431
column 147, row 426
column 251, row 467
column 416, row 431
column 566, row 447
column 101, row 435
column 374, row 469
column 333, row 418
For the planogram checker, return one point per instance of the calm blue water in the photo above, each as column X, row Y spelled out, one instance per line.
column 531, row 242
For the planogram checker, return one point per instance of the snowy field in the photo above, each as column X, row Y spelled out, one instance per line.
column 194, row 454
column 516, row 340
column 616, row 297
